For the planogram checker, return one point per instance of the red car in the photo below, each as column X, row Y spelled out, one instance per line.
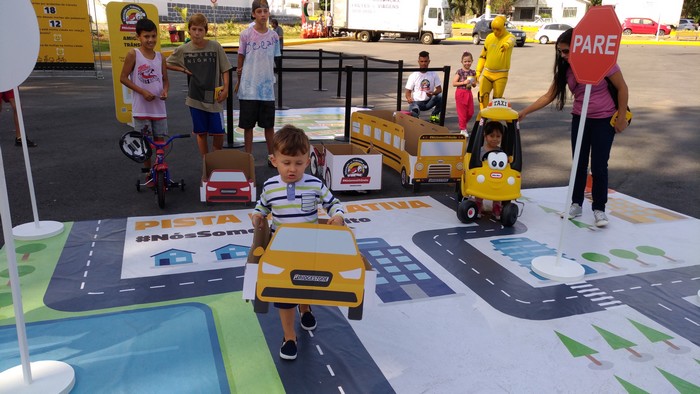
column 644, row 26
column 228, row 186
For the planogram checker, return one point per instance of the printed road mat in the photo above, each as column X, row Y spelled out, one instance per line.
column 154, row 304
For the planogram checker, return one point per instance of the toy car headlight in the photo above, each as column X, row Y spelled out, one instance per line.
column 352, row 274
column 245, row 189
column 211, row 188
column 268, row 268
column 419, row 166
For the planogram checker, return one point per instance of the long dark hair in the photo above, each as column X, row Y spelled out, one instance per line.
column 561, row 66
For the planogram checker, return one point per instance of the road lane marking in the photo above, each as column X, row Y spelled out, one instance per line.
column 692, row 321
column 522, row 302
column 488, row 280
column 186, row 283
column 330, row 370
column 462, row 261
column 156, row 287
column 125, row 290
column 215, row 279
column 473, row 269
column 504, row 292
column 571, row 297
column 319, row 350
column 548, row 301
column 664, row 306
column 635, row 287
column 676, row 281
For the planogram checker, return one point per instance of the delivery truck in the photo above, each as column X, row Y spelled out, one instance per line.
column 367, row 20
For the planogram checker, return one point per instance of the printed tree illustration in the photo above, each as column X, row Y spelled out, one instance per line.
column 577, row 349
column 629, row 387
column 683, row 386
column 616, row 341
column 653, row 335
column 26, row 250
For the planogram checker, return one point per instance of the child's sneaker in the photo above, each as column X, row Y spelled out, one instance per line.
column 434, row 118
column 496, row 210
column 308, row 320
column 601, row 220
column 288, row 351
column 465, row 133
column 575, row 210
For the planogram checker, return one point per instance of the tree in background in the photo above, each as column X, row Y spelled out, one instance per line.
column 691, row 9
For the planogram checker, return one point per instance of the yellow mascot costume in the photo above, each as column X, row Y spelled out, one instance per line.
column 494, row 61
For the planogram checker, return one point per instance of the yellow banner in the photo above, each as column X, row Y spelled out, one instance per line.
column 122, row 18
column 64, row 31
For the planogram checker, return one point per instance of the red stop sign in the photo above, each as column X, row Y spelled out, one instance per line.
column 595, row 44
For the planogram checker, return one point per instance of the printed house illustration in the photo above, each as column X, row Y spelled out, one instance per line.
column 172, row 257
column 231, row 251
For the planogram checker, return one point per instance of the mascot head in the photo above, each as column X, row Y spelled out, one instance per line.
column 498, row 25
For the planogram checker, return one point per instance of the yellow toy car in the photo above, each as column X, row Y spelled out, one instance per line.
column 314, row 264
column 496, row 176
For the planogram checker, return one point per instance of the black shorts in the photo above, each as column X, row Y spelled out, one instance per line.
column 256, row 111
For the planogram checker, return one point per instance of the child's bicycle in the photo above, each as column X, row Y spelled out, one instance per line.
column 159, row 178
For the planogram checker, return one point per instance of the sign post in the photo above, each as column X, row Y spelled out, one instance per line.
column 592, row 53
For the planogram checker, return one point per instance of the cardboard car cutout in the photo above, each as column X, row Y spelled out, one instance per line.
column 228, row 176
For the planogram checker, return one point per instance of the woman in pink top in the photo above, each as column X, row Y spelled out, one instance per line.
column 598, row 132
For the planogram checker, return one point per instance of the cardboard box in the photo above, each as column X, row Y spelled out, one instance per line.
column 313, row 284
column 347, row 167
column 227, row 191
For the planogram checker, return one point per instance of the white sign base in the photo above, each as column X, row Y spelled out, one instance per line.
column 564, row 270
column 37, row 230
column 47, row 377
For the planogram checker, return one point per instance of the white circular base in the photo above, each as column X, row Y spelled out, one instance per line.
column 30, row 231
column 564, row 270
column 47, row 377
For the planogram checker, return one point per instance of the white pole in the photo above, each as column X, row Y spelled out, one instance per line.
column 12, row 268
column 574, row 166
column 27, row 165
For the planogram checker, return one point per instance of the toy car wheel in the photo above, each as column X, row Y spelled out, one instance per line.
column 509, row 215
column 260, row 306
column 328, row 179
column 138, row 185
column 467, row 211
column 182, row 185
column 314, row 165
column 160, row 189
column 355, row 312
column 405, row 182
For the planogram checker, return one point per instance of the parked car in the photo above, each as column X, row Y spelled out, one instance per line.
column 483, row 28
column 644, row 26
column 476, row 19
column 687, row 24
column 550, row 32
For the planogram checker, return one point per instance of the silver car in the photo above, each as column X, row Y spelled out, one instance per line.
column 550, row 32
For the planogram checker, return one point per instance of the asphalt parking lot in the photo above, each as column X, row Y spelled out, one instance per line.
column 80, row 173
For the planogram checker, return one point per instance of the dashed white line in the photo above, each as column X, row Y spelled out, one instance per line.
column 462, row 261
column 544, row 301
column 594, row 294
column 491, row 229
column 696, row 278
column 93, row 244
column 488, row 280
column 311, row 334
column 438, row 243
column 94, row 236
column 97, row 229
column 618, row 290
column 125, row 290
column 473, row 269
column 186, row 283
column 87, row 264
column 452, row 234
column 82, row 286
column 504, row 292
column 664, row 306
column 571, row 297
column 601, row 299
column 635, row 287
column 450, row 252
column 85, row 274
column 215, row 279
column 588, row 290
column 692, row 321
column 95, row 292
column 156, row 287
column 330, row 370
column 522, row 302
column 656, row 284
column 676, row 281
column 90, row 254
column 319, row 350
column 435, row 236
column 340, row 390
column 582, row 286
column 605, row 304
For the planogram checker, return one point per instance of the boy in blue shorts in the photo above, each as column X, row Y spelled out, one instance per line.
column 207, row 65
column 258, row 46
column 293, row 197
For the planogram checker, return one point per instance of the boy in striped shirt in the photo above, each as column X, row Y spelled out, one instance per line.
column 293, row 197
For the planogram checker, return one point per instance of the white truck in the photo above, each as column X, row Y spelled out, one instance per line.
column 367, row 20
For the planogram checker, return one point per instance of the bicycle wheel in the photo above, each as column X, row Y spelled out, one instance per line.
column 160, row 188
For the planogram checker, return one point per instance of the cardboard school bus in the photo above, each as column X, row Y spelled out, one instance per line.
column 421, row 152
